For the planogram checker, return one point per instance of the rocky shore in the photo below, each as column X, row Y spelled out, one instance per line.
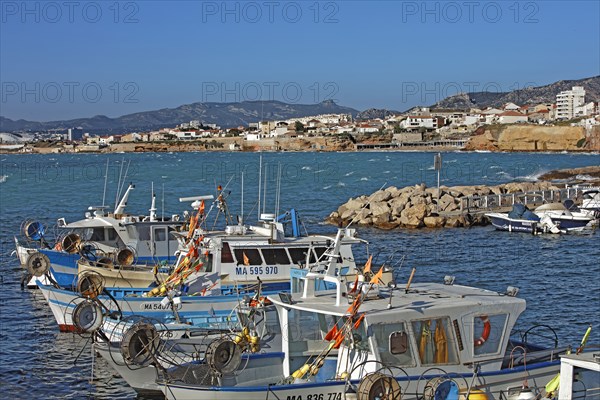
column 418, row 206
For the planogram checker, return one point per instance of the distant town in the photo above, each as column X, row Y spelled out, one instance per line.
column 420, row 127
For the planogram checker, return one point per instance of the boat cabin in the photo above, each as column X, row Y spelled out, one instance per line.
column 431, row 325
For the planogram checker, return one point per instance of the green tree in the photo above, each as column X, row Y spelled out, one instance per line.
column 299, row 126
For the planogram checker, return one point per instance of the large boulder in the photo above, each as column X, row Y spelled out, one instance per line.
column 379, row 196
column 398, row 204
column 379, row 209
column 453, row 222
column 381, row 219
column 434, row 222
column 393, row 191
column 412, row 217
column 445, row 202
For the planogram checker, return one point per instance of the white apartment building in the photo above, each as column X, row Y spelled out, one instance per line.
column 568, row 101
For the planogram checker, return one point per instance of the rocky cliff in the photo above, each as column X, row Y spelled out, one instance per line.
column 533, row 138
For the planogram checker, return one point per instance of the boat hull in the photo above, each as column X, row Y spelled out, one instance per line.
column 503, row 223
column 494, row 384
column 201, row 311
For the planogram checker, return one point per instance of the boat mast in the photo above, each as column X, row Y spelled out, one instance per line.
column 259, row 183
column 153, row 206
column 241, row 222
column 105, row 183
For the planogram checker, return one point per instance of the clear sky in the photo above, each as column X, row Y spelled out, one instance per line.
column 69, row 59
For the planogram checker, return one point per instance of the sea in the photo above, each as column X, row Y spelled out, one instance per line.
column 558, row 275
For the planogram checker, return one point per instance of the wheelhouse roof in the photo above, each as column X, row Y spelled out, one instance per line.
column 423, row 298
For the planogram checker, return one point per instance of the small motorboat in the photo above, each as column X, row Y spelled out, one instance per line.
column 521, row 219
column 565, row 216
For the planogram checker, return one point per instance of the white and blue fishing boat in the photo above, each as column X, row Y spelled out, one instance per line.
column 100, row 235
column 139, row 348
column 212, row 277
column 366, row 340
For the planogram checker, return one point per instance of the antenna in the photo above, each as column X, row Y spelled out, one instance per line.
column 278, row 192
column 259, row 183
column 242, row 202
column 163, row 202
column 105, row 182
column 265, row 189
column 119, row 183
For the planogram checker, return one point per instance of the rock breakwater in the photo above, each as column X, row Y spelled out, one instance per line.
column 419, row 206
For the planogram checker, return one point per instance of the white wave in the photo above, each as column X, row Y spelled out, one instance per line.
column 372, row 160
column 349, row 173
column 494, row 167
column 580, row 177
column 505, row 174
column 3, row 178
column 164, row 176
column 532, row 177
column 327, row 187
column 450, row 161
column 319, row 171
column 430, row 168
column 341, row 184
column 306, row 168
column 364, row 178
column 387, row 172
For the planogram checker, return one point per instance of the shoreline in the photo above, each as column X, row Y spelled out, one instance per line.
column 177, row 149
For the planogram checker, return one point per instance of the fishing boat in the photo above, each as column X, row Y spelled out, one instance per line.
column 366, row 340
column 521, row 219
column 212, row 277
column 118, row 236
column 124, row 344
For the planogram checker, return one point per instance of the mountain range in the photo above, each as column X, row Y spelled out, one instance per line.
column 242, row 113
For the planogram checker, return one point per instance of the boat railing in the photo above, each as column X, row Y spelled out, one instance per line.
column 507, row 200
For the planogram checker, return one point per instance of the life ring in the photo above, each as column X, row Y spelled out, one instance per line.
column 487, row 329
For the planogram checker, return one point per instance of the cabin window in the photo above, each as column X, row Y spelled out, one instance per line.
column 307, row 330
column 97, row 235
column 487, row 333
column 393, row 346
column 226, row 256
column 275, row 256
column 298, row 255
column 160, row 234
column 253, row 256
column 435, row 341
column 144, row 233
column 111, row 234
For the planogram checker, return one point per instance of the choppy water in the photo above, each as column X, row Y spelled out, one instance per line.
column 558, row 275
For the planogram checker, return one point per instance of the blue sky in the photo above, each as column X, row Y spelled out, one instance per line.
column 61, row 60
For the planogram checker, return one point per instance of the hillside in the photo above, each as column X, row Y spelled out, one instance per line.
column 533, row 95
